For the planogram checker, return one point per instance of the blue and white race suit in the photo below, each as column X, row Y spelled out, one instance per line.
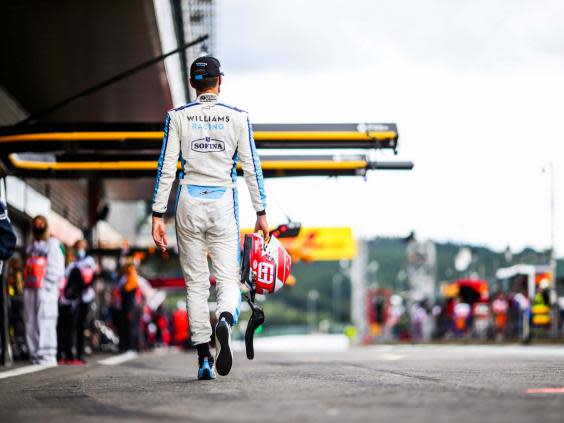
column 209, row 138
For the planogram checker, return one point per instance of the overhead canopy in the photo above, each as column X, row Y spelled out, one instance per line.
column 132, row 150
column 51, row 51
column 52, row 54
column 37, row 165
column 46, row 137
column 78, row 154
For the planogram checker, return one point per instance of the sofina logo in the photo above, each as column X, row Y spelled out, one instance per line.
column 208, row 145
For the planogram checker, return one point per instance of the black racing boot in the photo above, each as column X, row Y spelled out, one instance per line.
column 224, row 355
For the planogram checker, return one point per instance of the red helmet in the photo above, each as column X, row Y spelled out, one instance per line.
column 265, row 268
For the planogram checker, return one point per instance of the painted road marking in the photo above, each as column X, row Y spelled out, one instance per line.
column 545, row 391
column 118, row 359
column 301, row 343
column 25, row 370
column 389, row 356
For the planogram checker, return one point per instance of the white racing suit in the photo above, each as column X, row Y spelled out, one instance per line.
column 41, row 305
column 209, row 138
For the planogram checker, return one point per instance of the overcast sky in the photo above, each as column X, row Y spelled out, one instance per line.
column 475, row 87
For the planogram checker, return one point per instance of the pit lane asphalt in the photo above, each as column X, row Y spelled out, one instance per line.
column 382, row 384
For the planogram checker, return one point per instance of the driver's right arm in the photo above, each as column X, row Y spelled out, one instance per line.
column 166, row 171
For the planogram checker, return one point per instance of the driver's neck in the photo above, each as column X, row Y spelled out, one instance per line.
column 214, row 91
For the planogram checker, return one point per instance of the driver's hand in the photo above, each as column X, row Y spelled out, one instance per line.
column 159, row 233
column 262, row 225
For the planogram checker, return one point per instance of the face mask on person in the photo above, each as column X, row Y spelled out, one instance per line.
column 38, row 231
column 81, row 253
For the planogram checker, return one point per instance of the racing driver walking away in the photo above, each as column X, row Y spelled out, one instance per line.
column 209, row 138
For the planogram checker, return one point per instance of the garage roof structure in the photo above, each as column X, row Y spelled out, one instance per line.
column 92, row 150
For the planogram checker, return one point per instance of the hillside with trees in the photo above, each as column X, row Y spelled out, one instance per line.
column 386, row 269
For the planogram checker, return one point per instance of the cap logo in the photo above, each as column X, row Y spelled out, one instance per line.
column 201, row 64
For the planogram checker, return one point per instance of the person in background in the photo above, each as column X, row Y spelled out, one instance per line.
column 462, row 313
column 116, row 313
column 7, row 235
column 500, row 308
column 561, row 315
column 180, row 329
column 74, row 304
column 7, row 248
column 157, row 330
column 522, row 307
column 541, row 305
column 88, row 269
column 131, row 298
column 420, row 321
column 14, row 281
column 66, row 322
column 43, row 271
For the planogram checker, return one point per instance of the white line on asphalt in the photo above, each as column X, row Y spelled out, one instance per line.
column 545, row 391
column 165, row 351
column 390, row 356
column 298, row 343
column 25, row 370
column 118, row 359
